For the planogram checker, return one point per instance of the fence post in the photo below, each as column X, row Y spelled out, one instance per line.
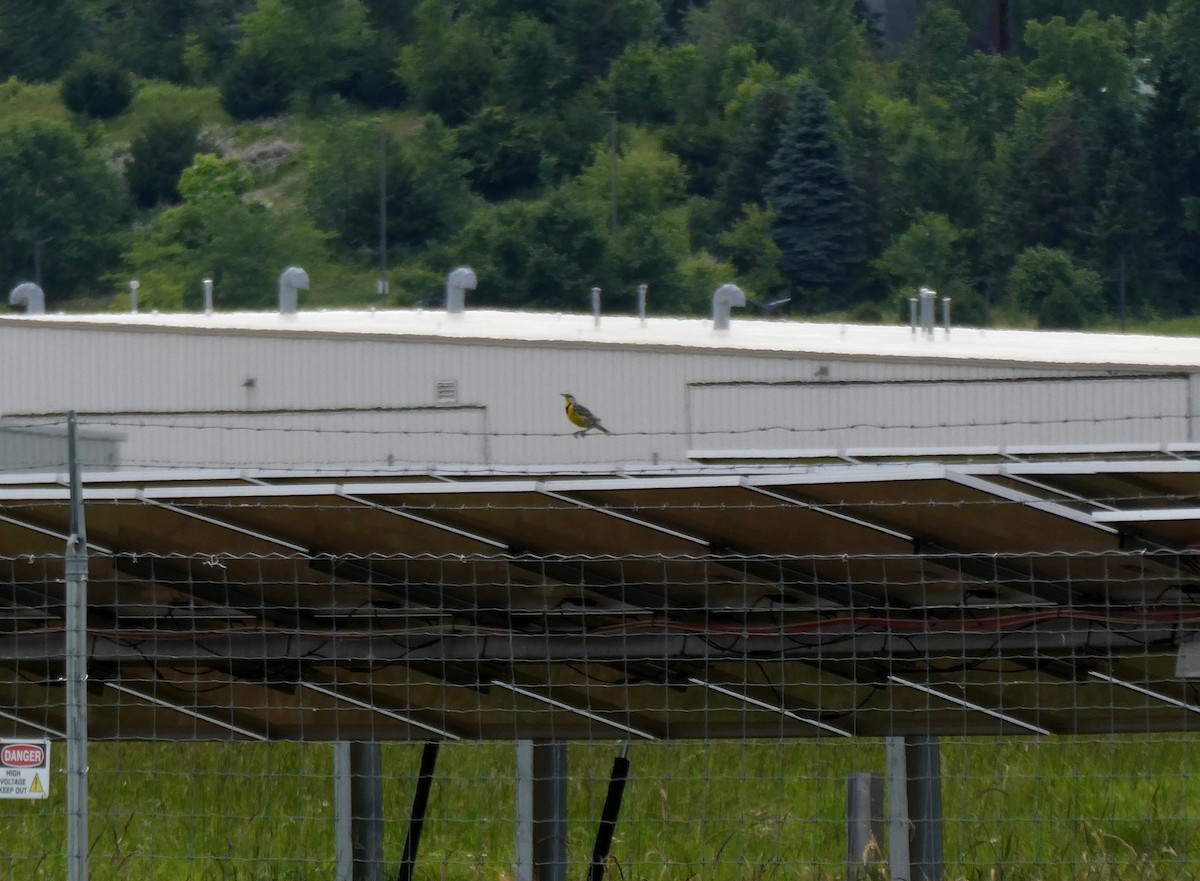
column 541, row 810
column 864, row 822
column 342, row 813
column 923, row 758
column 899, row 868
column 366, row 810
column 524, row 868
column 76, row 570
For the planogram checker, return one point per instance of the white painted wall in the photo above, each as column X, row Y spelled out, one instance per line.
column 418, row 390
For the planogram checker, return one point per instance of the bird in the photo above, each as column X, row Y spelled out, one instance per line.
column 582, row 416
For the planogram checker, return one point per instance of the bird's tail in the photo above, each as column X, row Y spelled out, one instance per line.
column 602, row 428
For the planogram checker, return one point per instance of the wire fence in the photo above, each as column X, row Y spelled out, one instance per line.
column 1018, row 807
column 233, row 698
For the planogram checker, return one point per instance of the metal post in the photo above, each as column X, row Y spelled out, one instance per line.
column 366, row 800
column 609, row 813
column 550, row 810
column 76, row 566
column 523, row 871
column 923, row 759
column 343, row 813
column 541, row 810
column 897, row 810
column 864, row 822
column 416, row 818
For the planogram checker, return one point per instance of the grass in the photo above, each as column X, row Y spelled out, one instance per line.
column 1016, row 808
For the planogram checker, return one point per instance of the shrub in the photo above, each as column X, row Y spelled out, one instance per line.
column 96, row 87
column 254, row 86
column 158, row 155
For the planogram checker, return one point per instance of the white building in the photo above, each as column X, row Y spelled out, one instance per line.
column 412, row 389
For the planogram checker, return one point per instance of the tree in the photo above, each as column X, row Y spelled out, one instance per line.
column 158, row 154
column 932, row 253
column 755, row 255
column 449, row 67
column 1045, row 282
column 1126, row 243
column 1091, row 56
column 254, row 86
column 818, row 222
column 61, row 194
column 217, row 233
column 38, row 41
column 544, row 253
column 934, row 54
column 318, row 44
column 150, row 38
column 503, row 152
column 427, row 192
column 753, row 143
column 1043, row 173
column 95, row 86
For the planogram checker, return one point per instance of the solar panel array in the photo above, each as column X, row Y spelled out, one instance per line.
column 994, row 595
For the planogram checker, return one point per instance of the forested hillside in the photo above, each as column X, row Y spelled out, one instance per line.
column 1048, row 178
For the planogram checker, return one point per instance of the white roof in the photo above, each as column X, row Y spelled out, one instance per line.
column 746, row 334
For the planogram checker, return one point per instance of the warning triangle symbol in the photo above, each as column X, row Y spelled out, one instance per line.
column 36, row 785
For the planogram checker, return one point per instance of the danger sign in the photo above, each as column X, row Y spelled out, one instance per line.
column 24, row 768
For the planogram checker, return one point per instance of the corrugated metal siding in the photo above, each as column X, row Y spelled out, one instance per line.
column 375, row 400
column 942, row 413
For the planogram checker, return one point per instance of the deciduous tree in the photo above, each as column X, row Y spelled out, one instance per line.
column 60, row 196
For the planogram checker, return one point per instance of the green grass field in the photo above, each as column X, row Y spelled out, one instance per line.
column 1019, row 808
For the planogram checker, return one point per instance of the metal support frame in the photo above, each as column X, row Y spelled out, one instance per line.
column 609, row 814
column 899, row 868
column 420, row 804
column 864, row 823
column 541, row 810
column 922, row 757
column 358, row 810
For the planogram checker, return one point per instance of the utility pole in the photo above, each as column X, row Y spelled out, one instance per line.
column 381, row 286
column 612, row 171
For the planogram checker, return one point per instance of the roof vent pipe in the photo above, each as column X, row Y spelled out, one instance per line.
column 291, row 281
column 642, row 302
column 912, row 314
column 596, row 306
column 208, row 296
column 928, row 296
column 458, row 283
column 134, row 284
column 724, row 298
column 30, row 296
column 946, row 314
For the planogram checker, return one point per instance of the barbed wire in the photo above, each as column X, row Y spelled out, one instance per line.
column 157, row 421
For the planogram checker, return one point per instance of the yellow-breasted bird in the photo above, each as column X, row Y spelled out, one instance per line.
column 582, row 416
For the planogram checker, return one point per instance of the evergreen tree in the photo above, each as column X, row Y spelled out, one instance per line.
column 818, row 222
